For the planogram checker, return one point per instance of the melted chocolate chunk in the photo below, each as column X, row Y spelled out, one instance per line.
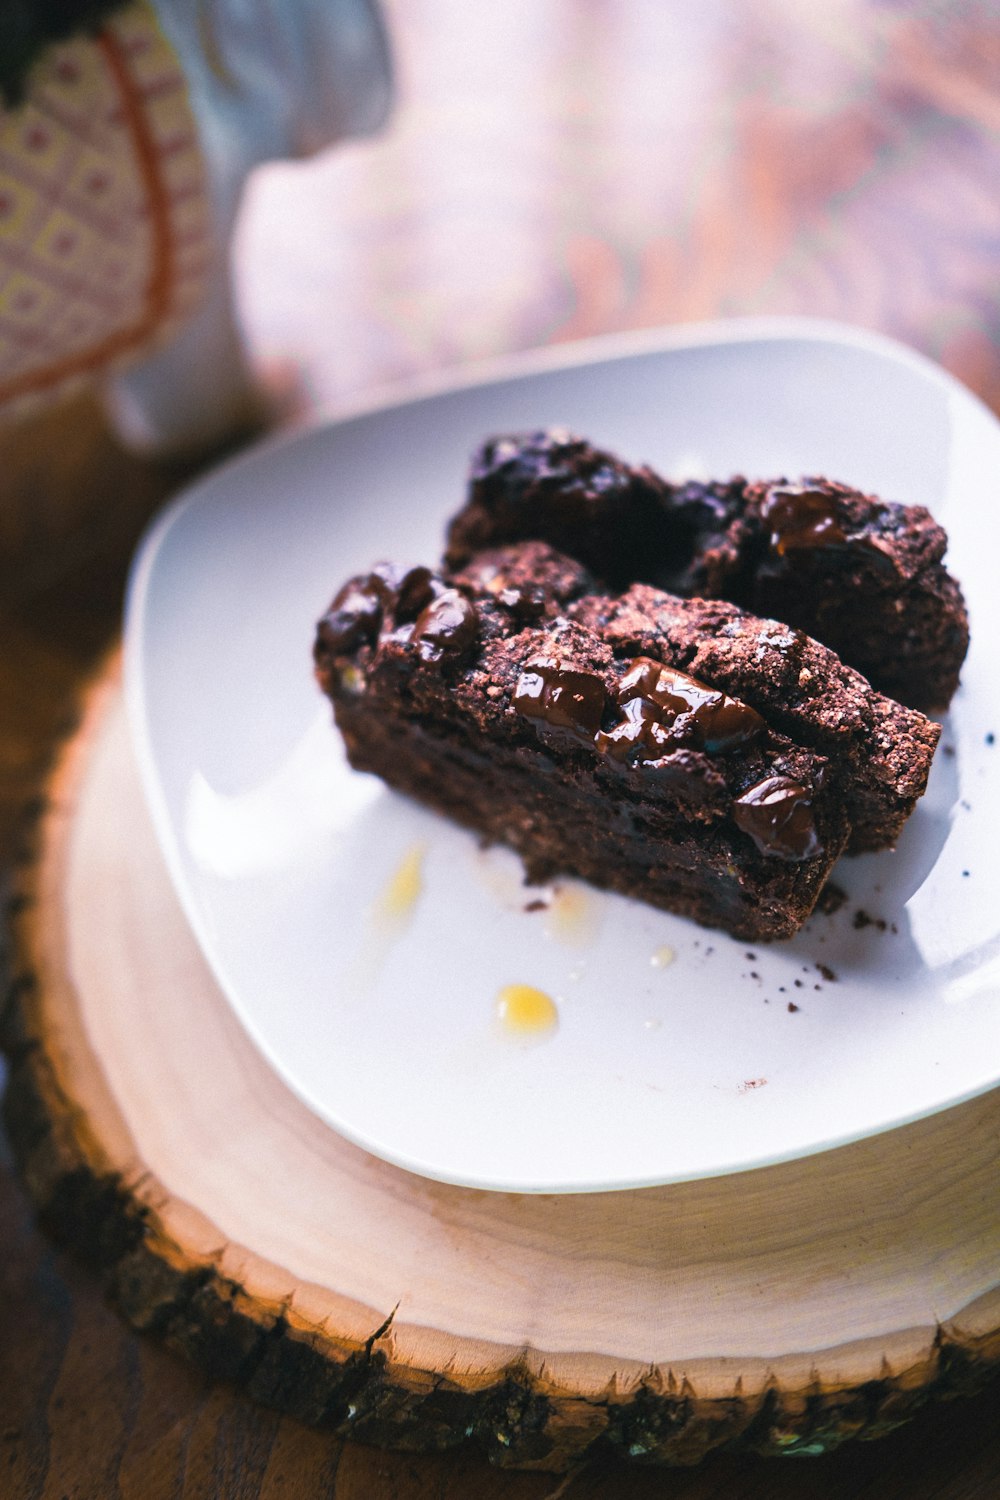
column 355, row 615
column 801, row 517
column 572, row 703
column 447, row 626
column 639, row 737
column 416, row 589
column 696, row 714
column 777, row 814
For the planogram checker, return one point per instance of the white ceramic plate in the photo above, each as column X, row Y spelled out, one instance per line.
column 677, row 1052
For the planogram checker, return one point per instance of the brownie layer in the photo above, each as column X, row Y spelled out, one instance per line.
column 608, row 738
column 863, row 575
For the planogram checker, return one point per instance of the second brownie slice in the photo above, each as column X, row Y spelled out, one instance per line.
column 865, row 576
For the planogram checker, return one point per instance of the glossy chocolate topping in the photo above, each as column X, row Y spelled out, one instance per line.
column 694, row 713
column 567, row 701
column 777, row 814
column 801, row 517
column 639, row 738
column 415, row 590
column 447, row 626
column 355, row 615
column 438, row 619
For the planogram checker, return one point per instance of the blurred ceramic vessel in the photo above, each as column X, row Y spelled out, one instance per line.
column 120, row 176
column 267, row 79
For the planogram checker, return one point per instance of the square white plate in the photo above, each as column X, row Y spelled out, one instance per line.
column 678, row 1051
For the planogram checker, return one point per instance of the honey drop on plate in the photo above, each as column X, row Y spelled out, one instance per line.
column 525, row 1011
column 402, row 892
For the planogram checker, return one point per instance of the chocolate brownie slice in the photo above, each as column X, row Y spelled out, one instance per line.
column 863, row 575
column 631, row 741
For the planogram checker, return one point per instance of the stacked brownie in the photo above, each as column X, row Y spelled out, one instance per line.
column 861, row 574
column 544, row 688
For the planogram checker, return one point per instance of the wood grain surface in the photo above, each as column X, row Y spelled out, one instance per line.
column 552, row 171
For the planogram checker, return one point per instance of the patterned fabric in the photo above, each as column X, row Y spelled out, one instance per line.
column 105, row 233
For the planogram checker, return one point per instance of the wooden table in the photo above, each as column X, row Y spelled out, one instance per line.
column 553, row 171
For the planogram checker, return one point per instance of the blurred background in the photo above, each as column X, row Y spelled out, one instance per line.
column 575, row 167
column 552, row 170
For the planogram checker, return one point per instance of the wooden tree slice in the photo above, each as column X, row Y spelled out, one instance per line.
column 779, row 1310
